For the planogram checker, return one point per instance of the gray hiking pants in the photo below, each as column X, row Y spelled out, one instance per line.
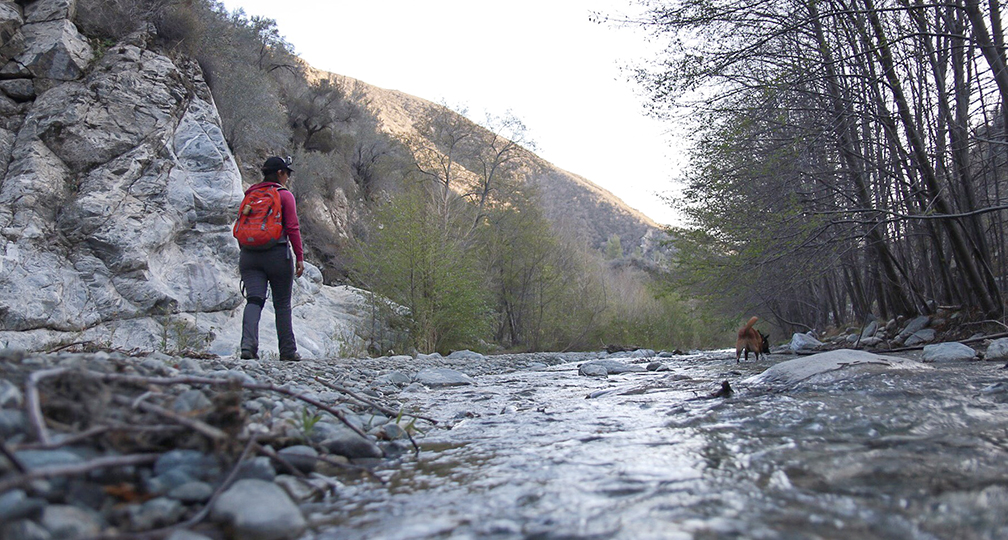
column 273, row 267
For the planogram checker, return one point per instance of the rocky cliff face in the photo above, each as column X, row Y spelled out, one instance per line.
column 117, row 194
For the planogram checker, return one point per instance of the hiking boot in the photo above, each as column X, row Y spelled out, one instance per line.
column 292, row 358
column 249, row 355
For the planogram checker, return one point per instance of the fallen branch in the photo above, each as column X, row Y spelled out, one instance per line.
column 77, row 469
column 94, row 432
column 33, row 405
column 207, row 381
column 12, row 458
column 365, row 401
column 191, row 423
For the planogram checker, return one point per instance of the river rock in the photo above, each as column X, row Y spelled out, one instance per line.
column 303, row 458
column 155, row 513
column 915, row 325
column 438, row 377
column 869, row 330
column 186, row 535
column 10, row 395
column 258, row 510
column 68, row 522
column 191, row 400
column 589, row 369
column 948, row 352
column 823, row 367
column 340, row 440
column 15, row 505
column 997, row 350
column 394, row 378
column 594, row 368
column 260, row 468
column 924, row 335
column 804, row 342
column 466, row 355
column 192, row 492
column 23, row 529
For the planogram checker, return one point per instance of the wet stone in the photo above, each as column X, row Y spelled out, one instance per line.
column 440, row 377
column 37, row 459
column 259, row 468
column 192, row 463
column 257, row 510
column 303, row 458
column 192, row 492
column 190, row 401
column 155, row 513
column 921, row 336
column 24, row 529
column 67, row 522
column 189, row 365
column 186, row 535
column 15, row 505
column 395, row 378
column 592, row 370
column 948, row 352
column 998, row 349
column 345, row 442
column 10, row 395
column 12, row 422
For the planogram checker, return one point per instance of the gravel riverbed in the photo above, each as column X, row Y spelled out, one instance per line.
column 106, row 445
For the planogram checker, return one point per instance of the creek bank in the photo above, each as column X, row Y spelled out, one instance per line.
column 105, row 444
column 100, row 444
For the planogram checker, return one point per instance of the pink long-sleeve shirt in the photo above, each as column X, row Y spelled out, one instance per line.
column 288, row 210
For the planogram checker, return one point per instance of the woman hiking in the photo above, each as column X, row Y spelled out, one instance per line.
column 266, row 237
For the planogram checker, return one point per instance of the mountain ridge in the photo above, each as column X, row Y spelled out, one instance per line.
column 397, row 111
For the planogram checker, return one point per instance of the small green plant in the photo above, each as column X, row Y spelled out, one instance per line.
column 306, row 422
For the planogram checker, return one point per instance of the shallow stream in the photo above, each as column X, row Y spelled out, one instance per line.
column 867, row 454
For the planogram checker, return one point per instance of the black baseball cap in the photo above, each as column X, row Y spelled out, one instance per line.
column 276, row 163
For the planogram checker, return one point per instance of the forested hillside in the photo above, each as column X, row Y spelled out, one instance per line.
column 850, row 158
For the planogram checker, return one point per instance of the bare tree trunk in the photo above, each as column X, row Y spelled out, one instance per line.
column 989, row 300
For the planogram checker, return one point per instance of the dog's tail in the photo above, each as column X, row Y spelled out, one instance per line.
column 752, row 320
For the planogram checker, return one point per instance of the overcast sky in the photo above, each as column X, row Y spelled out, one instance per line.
column 541, row 59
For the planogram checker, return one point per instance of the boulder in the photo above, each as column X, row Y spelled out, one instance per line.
column 611, row 367
column 997, row 350
column 916, row 324
column 51, row 50
column 870, row 330
column 258, row 510
column 11, row 20
column 439, row 377
column 592, row 370
column 466, row 355
column 827, row 367
column 804, row 342
column 948, row 352
column 50, row 10
column 924, row 335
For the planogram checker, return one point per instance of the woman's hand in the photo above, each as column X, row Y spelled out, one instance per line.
column 299, row 268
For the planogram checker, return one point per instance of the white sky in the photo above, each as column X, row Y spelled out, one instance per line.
column 541, row 59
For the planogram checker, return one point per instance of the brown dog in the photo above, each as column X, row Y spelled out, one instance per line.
column 750, row 339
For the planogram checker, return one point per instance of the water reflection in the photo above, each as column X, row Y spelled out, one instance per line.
column 874, row 455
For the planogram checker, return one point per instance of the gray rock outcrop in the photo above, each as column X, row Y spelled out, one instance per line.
column 117, row 194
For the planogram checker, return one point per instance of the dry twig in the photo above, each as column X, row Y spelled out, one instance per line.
column 77, row 468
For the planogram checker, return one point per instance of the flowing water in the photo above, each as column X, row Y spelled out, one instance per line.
column 867, row 454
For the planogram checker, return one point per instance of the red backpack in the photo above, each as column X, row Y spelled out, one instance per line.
column 260, row 220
